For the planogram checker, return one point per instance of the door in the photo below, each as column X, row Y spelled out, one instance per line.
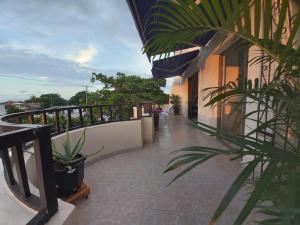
column 193, row 97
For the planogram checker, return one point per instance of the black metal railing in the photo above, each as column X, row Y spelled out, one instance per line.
column 36, row 128
column 12, row 141
column 60, row 119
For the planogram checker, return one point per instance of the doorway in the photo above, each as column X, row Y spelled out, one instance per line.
column 193, row 97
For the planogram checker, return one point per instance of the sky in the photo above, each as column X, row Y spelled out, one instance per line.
column 53, row 46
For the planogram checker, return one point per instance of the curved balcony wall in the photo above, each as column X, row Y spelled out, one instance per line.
column 115, row 136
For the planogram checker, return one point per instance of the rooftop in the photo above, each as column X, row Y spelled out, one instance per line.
column 130, row 188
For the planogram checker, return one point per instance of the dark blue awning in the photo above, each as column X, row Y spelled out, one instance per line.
column 141, row 11
column 173, row 66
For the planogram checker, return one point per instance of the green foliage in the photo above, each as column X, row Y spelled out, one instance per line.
column 70, row 154
column 13, row 109
column 123, row 89
column 276, row 192
column 49, row 100
column 175, row 100
column 78, row 98
column 32, row 99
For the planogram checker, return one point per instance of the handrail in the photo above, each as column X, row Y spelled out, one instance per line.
column 88, row 115
column 12, row 140
column 38, row 126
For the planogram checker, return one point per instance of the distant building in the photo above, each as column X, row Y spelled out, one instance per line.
column 23, row 106
column 31, row 106
column 10, row 104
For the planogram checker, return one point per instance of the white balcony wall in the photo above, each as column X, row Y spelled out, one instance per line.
column 114, row 137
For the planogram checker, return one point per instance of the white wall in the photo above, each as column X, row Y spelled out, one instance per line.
column 180, row 87
column 208, row 77
column 148, row 129
column 114, row 137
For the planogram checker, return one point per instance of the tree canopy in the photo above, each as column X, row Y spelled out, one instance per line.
column 53, row 99
column 78, row 98
column 124, row 89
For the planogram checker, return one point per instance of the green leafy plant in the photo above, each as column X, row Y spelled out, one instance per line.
column 275, row 141
column 70, row 154
column 175, row 100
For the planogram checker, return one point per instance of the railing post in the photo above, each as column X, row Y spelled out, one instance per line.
column 45, row 170
column 69, row 119
column 31, row 118
column 101, row 114
column 91, row 115
column 120, row 113
column 80, row 117
column 17, row 152
column 139, row 111
column 57, row 125
column 7, row 166
column 44, row 118
column 110, row 114
column 150, row 109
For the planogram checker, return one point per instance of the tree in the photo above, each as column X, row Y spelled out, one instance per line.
column 33, row 99
column 78, row 98
column 123, row 89
column 13, row 109
column 276, row 192
column 53, row 99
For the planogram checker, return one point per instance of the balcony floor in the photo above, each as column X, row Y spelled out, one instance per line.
column 130, row 189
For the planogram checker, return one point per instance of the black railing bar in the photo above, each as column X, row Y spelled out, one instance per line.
column 17, row 153
column 9, row 139
column 8, row 172
column 40, row 218
column 43, row 160
column 38, row 112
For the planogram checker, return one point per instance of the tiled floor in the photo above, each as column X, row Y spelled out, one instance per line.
column 130, row 188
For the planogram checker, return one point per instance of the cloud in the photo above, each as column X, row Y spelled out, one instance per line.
column 86, row 55
column 43, row 78
column 30, row 64
column 63, row 42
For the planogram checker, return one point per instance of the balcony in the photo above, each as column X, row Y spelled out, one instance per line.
column 126, row 179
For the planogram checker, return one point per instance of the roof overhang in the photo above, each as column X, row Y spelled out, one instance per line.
column 173, row 66
column 141, row 11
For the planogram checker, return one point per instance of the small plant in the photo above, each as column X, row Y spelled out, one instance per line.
column 71, row 155
column 175, row 100
column 69, row 165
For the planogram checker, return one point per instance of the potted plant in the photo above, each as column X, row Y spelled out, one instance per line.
column 175, row 100
column 69, row 165
column 156, row 112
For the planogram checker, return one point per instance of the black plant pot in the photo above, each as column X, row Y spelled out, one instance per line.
column 68, row 180
column 156, row 120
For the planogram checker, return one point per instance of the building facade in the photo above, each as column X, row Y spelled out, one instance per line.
column 217, row 62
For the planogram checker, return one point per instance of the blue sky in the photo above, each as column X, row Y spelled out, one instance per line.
column 55, row 45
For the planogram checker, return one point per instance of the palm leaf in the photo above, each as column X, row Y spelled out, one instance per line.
column 260, row 187
column 234, row 189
